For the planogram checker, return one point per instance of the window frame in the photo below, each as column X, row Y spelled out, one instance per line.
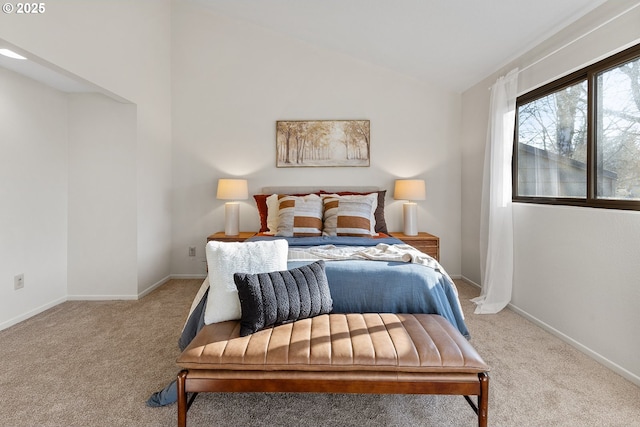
column 588, row 74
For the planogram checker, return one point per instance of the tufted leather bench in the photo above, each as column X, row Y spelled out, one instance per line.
column 336, row 353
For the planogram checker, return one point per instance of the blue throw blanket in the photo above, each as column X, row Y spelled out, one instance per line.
column 358, row 286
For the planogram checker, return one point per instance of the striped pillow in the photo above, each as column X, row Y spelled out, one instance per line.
column 299, row 216
column 350, row 215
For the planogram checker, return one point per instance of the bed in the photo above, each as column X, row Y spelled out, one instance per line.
column 367, row 270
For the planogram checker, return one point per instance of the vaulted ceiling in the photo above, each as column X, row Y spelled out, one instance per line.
column 453, row 42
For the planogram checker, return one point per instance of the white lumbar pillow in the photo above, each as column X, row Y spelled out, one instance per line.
column 224, row 259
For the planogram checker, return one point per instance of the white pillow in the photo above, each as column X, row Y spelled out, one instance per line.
column 224, row 259
column 272, row 213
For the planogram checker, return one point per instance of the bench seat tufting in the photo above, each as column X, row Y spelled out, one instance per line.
column 341, row 353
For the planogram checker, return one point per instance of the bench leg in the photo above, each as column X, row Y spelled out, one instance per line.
column 483, row 399
column 182, row 400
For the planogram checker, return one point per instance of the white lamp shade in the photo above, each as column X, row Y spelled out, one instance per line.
column 409, row 189
column 232, row 189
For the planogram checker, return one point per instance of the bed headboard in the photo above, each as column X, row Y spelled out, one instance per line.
column 294, row 189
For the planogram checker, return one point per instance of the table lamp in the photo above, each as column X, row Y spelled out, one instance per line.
column 410, row 190
column 232, row 189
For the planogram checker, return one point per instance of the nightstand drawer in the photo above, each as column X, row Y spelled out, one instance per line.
column 427, row 249
column 424, row 242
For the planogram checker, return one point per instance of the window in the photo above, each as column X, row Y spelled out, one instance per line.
column 577, row 140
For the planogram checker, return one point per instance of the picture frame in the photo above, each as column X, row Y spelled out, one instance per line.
column 323, row 143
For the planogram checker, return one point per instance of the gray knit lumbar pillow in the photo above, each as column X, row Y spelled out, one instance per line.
column 268, row 299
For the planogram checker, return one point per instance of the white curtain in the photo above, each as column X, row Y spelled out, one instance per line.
column 496, row 220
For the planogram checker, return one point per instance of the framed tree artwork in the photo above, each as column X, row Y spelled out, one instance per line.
column 322, row 143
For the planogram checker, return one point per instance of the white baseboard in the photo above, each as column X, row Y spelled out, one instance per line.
column 577, row 345
column 586, row 350
column 154, row 286
column 101, row 297
column 471, row 282
column 139, row 295
column 188, row 276
column 38, row 310
column 31, row 313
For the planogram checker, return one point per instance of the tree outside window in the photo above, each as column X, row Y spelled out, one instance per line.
column 577, row 139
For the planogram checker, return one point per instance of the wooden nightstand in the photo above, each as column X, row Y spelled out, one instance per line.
column 425, row 242
column 221, row 237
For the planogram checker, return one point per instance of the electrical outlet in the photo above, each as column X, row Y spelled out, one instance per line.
column 192, row 251
column 18, row 281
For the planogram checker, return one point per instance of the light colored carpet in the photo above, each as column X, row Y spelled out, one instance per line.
column 96, row 363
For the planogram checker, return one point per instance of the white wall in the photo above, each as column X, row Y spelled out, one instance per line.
column 475, row 116
column 102, row 202
column 33, row 196
column 123, row 47
column 576, row 269
column 232, row 81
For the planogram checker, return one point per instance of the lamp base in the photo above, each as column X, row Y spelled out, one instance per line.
column 231, row 218
column 410, row 216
